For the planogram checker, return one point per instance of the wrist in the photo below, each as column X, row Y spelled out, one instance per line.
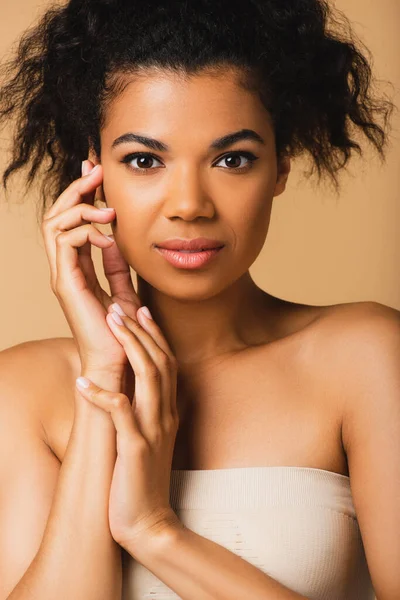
column 155, row 540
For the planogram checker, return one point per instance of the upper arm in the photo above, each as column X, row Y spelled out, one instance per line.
column 371, row 438
column 28, row 468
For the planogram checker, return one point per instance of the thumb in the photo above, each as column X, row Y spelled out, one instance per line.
column 118, row 274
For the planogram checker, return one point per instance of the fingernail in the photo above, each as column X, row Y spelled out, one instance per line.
column 84, row 168
column 117, row 318
column 109, row 209
column 96, row 168
column 118, row 309
column 145, row 311
column 83, row 382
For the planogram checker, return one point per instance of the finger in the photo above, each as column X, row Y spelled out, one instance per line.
column 148, row 379
column 87, row 168
column 86, row 260
column 116, row 269
column 152, row 338
column 118, row 406
column 73, row 194
column 69, row 273
column 147, row 321
column 157, row 336
column 86, row 250
column 118, row 274
column 150, row 326
column 78, row 215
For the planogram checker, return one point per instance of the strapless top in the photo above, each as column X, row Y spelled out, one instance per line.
column 297, row 524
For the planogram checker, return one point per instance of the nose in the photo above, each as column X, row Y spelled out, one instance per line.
column 186, row 195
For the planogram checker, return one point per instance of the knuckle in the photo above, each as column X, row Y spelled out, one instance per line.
column 152, row 372
column 61, row 286
column 157, row 435
column 173, row 362
column 119, row 401
column 61, row 238
column 45, row 224
column 49, row 214
column 164, row 360
column 58, row 286
column 170, row 422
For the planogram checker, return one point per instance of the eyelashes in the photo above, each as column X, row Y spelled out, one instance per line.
column 237, row 153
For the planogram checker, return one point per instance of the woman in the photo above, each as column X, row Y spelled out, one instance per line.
column 236, row 445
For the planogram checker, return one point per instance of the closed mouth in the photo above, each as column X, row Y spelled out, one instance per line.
column 189, row 251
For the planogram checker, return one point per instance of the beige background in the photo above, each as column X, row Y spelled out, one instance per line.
column 320, row 250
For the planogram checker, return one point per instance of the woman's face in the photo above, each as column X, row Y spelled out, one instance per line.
column 189, row 190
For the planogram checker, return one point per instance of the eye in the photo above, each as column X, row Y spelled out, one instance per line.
column 143, row 159
column 249, row 156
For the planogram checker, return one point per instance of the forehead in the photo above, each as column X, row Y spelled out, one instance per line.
column 156, row 98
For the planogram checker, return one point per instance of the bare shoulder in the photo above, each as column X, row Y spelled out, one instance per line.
column 363, row 309
column 366, row 357
column 358, row 326
column 29, row 375
column 353, row 344
column 345, row 335
column 335, row 344
column 366, row 354
column 38, row 375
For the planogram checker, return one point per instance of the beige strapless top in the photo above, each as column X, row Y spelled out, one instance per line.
column 297, row 524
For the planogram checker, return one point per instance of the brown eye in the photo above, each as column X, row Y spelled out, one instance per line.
column 234, row 158
column 143, row 160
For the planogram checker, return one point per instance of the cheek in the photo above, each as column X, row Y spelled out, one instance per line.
column 255, row 230
column 131, row 231
column 249, row 217
column 256, row 213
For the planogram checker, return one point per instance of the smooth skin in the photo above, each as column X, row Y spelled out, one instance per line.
column 188, row 192
column 240, row 350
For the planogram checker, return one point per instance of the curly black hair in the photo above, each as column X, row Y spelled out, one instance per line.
column 300, row 56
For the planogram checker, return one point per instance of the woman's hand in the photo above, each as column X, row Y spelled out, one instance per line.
column 68, row 234
column 146, row 432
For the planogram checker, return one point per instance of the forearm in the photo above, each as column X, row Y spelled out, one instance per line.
column 196, row 568
column 78, row 558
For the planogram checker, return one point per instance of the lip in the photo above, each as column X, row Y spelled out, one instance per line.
column 189, row 260
column 199, row 243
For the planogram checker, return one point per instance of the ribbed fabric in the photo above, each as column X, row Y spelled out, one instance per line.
column 297, row 524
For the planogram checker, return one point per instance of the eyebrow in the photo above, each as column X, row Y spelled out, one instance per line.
column 218, row 144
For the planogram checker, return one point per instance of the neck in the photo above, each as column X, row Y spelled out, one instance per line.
column 198, row 330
